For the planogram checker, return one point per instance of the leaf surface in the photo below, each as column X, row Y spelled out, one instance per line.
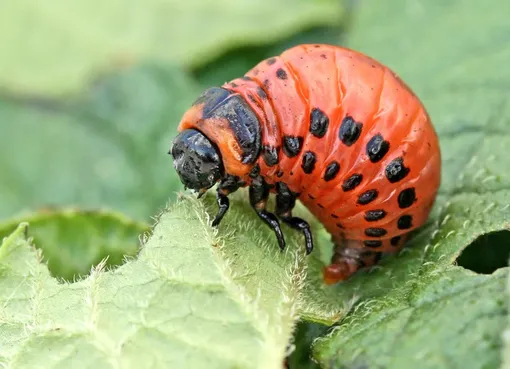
column 186, row 301
column 73, row 240
column 106, row 148
column 67, row 42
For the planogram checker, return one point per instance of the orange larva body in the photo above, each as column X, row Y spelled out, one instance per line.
column 346, row 135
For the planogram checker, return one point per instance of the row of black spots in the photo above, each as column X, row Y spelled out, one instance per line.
column 405, row 198
column 394, row 241
column 404, row 222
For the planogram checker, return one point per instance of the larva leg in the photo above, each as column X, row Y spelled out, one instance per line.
column 259, row 193
column 223, row 205
column 285, row 202
column 348, row 258
column 226, row 187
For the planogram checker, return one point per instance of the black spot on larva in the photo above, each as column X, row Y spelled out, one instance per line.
column 308, row 163
column 396, row 170
column 395, row 240
column 292, row 145
column 233, row 84
column 255, row 171
column 374, row 215
column 319, row 122
column 372, row 243
column 331, row 171
column 406, row 198
column 405, row 222
column 270, row 155
column 271, row 61
column 377, row 147
column 334, row 216
column 281, row 74
column 266, row 83
column 252, row 98
column 261, row 93
column 323, row 56
column 317, row 46
column 311, row 196
column 339, row 225
column 367, row 197
column 246, row 78
column 279, row 174
column 320, row 206
column 352, row 182
column 375, row 232
column 349, row 131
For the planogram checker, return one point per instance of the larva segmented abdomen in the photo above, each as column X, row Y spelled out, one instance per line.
column 349, row 137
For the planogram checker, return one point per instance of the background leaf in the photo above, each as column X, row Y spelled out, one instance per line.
column 72, row 240
column 104, row 149
column 67, row 41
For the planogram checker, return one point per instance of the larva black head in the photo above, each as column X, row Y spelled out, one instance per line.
column 196, row 160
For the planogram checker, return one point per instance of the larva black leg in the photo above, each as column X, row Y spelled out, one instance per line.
column 285, row 202
column 223, row 205
column 259, row 193
column 227, row 186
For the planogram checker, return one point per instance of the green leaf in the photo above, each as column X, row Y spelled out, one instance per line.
column 192, row 299
column 104, row 149
column 72, row 240
column 304, row 336
column 419, row 309
column 237, row 62
column 66, row 42
column 506, row 334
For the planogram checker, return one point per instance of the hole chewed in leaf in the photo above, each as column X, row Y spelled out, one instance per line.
column 487, row 253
